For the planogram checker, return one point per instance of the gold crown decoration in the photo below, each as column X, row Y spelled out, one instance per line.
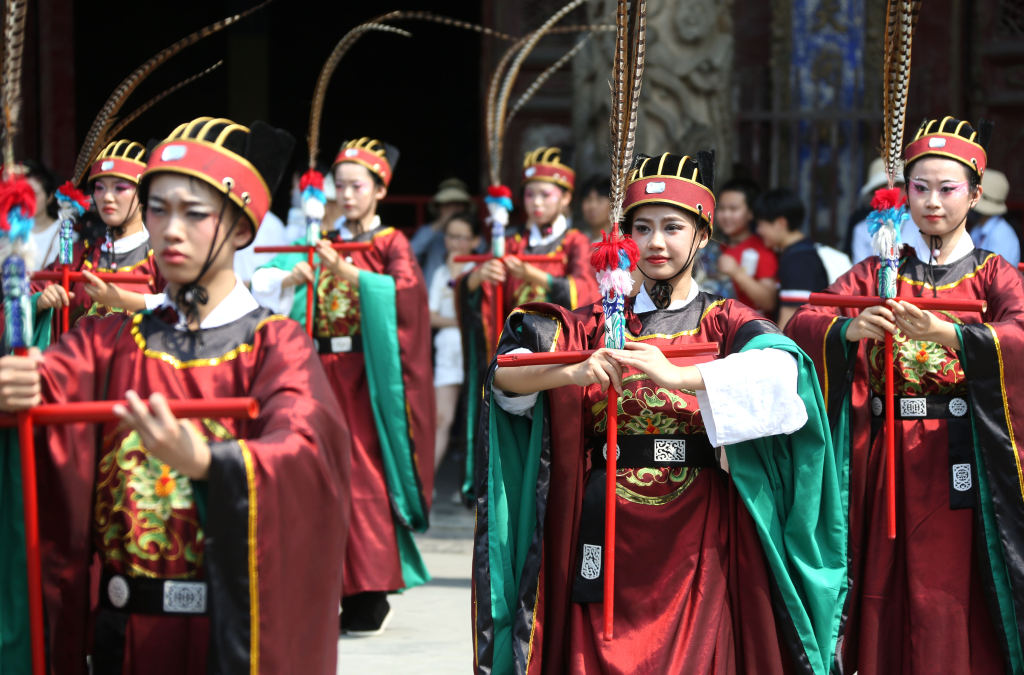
column 950, row 138
column 120, row 159
column 670, row 179
column 545, row 164
column 210, row 149
column 369, row 152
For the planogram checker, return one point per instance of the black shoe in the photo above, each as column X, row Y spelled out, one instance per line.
column 365, row 614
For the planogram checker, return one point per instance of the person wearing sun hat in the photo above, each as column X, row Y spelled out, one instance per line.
column 694, row 570
column 991, row 231
column 192, row 522
column 452, row 197
column 949, row 584
column 371, row 326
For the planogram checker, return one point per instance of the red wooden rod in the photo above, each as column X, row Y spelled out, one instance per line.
column 74, row 277
column 65, row 310
column 890, row 438
column 484, row 257
column 499, row 312
column 611, row 468
column 545, row 358
column 103, row 411
column 337, row 246
column 30, row 505
column 309, row 292
column 862, row 301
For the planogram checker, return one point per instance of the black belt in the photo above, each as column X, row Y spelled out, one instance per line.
column 954, row 409
column 635, row 452
column 339, row 345
column 922, row 407
column 144, row 595
column 651, row 450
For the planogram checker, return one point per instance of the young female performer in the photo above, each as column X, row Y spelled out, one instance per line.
column 712, row 575
column 942, row 595
column 567, row 280
column 125, row 247
column 372, row 329
column 196, row 524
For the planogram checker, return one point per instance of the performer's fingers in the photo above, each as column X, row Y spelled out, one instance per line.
column 161, row 411
column 640, row 347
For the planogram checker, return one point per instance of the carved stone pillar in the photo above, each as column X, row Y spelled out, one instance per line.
column 685, row 103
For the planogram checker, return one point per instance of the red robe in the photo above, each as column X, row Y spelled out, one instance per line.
column 693, row 593
column 922, row 603
column 277, row 490
column 92, row 257
column 372, row 561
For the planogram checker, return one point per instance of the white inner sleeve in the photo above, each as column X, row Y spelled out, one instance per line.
column 154, row 300
column 750, row 395
column 269, row 292
column 515, row 404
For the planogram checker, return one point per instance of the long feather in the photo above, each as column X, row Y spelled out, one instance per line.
column 14, row 42
column 627, row 80
column 529, row 92
column 327, row 71
column 901, row 19
column 99, row 131
column 513, row 70
column 416, row 15
column 116, row 130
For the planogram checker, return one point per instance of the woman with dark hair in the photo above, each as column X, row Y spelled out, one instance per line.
column 371, row 326
column 124, row 246
column 192, row 522
column 699, row 555
column 45, row 228
column 942, row 595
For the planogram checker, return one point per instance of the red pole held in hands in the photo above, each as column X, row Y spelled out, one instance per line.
column 860, row 302
column 309, row 251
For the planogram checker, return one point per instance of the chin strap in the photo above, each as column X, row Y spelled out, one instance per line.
column 661, row 292
column 193, row 294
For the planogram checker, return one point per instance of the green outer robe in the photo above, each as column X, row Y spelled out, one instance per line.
column 791, row 486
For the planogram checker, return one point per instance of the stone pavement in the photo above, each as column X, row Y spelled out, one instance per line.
column 429, row 633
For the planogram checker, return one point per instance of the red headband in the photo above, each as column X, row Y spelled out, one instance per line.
column 120, row 167
column 951, row 146
column 559, row 174
column 218, row 166
column 374, row 163
column 680, row 192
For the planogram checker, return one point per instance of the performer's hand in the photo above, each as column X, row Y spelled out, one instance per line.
column 650, row 360
column 873, row 322
column 728, row 265
column 918, row 324
column 335, row 263
column 516, row 267
column 492, row 271
column 108, row 295
column 19, row 381
column 176, row 443
column 301, row 274
column 600, row 369
column 54, row 295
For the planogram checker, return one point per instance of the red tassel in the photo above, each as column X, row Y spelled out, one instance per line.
column 605, row 255
column 499, row 191
column 888, row 198
column 312, row 177
column 69, row 190
column 13, row 193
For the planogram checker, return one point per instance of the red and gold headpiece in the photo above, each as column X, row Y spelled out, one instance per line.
column 121, row 159
column 951, row 138
column 545, row 164
column 369, row 152
column 240, row 162
column 675, row 180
